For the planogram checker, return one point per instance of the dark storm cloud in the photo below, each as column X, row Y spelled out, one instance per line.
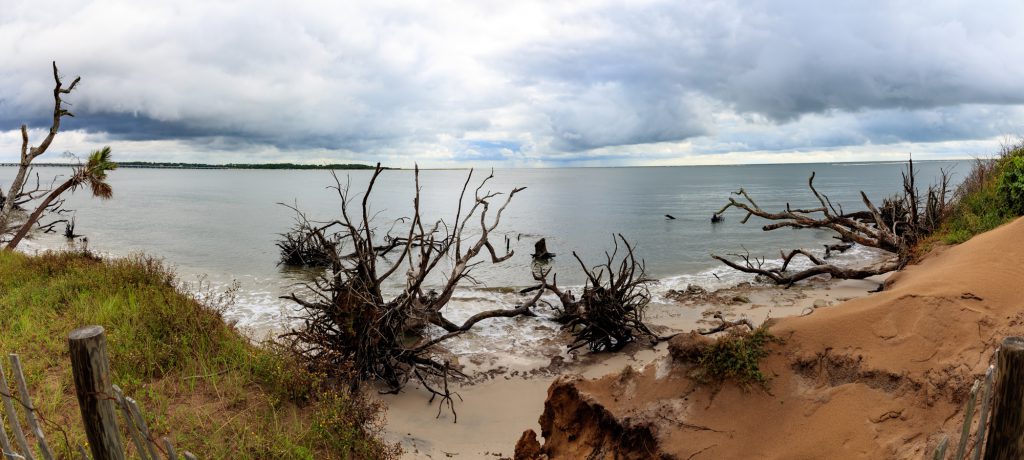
column 786, row 59
column 555, row 79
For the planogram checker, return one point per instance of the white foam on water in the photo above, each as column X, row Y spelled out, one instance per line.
column 522, row 339
column 528, row 341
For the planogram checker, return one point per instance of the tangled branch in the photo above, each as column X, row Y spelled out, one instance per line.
column 351, row 330
column 903, row 220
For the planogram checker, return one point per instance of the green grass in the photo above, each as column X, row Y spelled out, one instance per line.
column 199, row 381
column 735, row 357
column 991, row 195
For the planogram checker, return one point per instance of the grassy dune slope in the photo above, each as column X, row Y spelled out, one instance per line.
column 199, row 381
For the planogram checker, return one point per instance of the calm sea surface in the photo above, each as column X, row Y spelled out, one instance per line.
column 223, row 223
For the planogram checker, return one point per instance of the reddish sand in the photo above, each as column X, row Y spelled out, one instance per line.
column 877, row 377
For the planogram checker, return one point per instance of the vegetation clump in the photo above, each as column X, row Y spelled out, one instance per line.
column 735, row 356
column 1011, row 181
column 991, row 195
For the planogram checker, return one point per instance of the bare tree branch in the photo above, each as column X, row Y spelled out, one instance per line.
column 349, row 326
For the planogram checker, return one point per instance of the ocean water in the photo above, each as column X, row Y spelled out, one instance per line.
column 222, row 224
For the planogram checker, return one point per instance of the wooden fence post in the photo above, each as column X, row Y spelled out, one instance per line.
column 1006, row 430
column 91, row 369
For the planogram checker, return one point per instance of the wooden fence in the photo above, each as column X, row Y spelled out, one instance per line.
column 99, row 401
column 1000, row 432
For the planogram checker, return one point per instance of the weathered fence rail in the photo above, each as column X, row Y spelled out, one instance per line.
column 99, row 401
column 1000, row 432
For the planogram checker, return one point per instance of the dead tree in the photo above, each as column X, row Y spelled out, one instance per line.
column 91, row 174
column 351, row 330
column 903, row 220
column 610, row 310
column 779, row 275
column 300, row 246
column 20, row 193
column 919, row 216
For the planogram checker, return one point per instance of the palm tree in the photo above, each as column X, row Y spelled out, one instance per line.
column 93, row 173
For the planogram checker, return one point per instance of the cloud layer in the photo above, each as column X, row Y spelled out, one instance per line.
column 516, row 83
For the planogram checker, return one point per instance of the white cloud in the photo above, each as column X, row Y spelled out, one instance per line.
column 515, row 83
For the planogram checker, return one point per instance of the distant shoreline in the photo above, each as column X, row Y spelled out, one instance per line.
column 167, row 165
column 356, row 166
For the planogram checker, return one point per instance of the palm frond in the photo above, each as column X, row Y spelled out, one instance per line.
column 96, row 172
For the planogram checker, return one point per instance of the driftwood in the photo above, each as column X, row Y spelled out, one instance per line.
column 351, row 331
column 851, row 227
column 726, row 324
column 540, row 250
column 779, row 275
column 902, row 221
column 610, row 310
column 840, row 248
column 301, row 247
column 69, row 229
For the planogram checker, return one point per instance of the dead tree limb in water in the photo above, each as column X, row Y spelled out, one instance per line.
column 903, row 220
column 610, row 310
column 779, row 275
column 851, row 227
column 352, row 330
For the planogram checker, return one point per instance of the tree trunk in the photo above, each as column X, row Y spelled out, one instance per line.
column 32, row 219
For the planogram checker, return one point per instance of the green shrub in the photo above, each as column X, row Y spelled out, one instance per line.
column 735, row 357
column 348, row 423
column 975, row 213
column 991, row 194
column 1011, row 182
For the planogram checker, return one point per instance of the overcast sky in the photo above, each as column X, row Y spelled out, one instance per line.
column 518, row 83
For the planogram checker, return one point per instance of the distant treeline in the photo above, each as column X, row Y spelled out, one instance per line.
column 165, row 165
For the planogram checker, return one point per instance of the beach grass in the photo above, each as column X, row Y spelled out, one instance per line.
column 200, row 382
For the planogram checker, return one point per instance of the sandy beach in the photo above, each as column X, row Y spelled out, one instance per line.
column 508, row 397
column 879, row 376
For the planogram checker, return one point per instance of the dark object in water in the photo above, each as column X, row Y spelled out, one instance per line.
column 716, row 218
column 540, row 250
column 669, row 216
column 69, row 229
column 840, row 248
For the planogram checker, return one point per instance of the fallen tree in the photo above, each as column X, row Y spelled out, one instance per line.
column 22, row 195
column 609, row 314
column 351, row 330
column 903, row 220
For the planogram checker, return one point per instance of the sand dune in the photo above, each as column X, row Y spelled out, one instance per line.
column 876, row 377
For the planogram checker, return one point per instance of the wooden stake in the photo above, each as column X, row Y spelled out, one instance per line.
column 12, row 417
column 1006, row 433
column 986, row 402
column 91, row 369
